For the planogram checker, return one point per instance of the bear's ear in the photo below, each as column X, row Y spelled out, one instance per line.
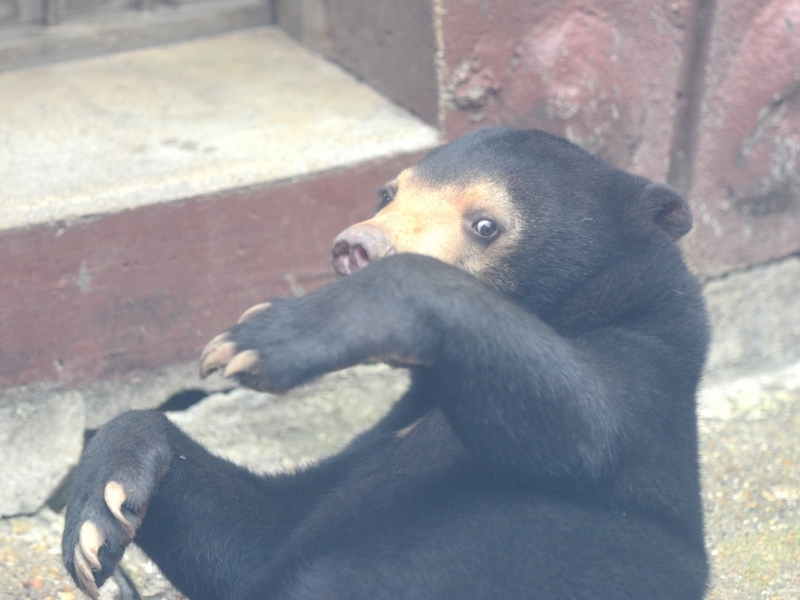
column 668, row 210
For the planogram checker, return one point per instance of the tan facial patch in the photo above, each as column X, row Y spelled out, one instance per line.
column 438, row 221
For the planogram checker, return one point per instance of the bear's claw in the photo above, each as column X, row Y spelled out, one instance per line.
column 254, row 310
column 114, row 495
column 83, row 573
column 223, row 353
column 217, row 353
column 90, row 541
column 242, row 363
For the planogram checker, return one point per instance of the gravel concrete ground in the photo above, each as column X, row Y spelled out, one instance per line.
column 751, row 490
column 751, row 469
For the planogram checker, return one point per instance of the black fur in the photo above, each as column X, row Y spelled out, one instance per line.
column 556, row 455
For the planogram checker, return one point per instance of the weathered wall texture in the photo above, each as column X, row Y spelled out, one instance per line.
column 746, row 190
column 704, row 94
column 603, row 74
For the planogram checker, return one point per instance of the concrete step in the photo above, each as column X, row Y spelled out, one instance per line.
column 148, row 197
column 116, row 28
column 116, row 132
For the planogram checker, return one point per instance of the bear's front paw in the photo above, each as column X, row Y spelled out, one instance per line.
column 113, row 484
column 226, row 352
column 282, row 344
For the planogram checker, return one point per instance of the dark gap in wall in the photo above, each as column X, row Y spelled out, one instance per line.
column 690, row 94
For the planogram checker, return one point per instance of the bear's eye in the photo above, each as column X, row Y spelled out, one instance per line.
column 386, row 195
column 485, row 228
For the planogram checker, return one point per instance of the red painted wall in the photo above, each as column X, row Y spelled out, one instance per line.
column 704, row 94
column 745, row 187
column 603, row 74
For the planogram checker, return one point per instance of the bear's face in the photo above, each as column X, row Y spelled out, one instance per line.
column 528, row 213
column 472, row 225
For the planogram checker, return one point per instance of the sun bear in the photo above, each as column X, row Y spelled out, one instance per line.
column 547, row 445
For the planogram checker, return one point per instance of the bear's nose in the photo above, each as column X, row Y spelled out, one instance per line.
column 357, row 246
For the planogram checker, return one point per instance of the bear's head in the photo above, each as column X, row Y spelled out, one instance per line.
column 529, row 213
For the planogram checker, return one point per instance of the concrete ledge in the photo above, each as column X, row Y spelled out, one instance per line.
column 116, row 31
column 755, row 319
